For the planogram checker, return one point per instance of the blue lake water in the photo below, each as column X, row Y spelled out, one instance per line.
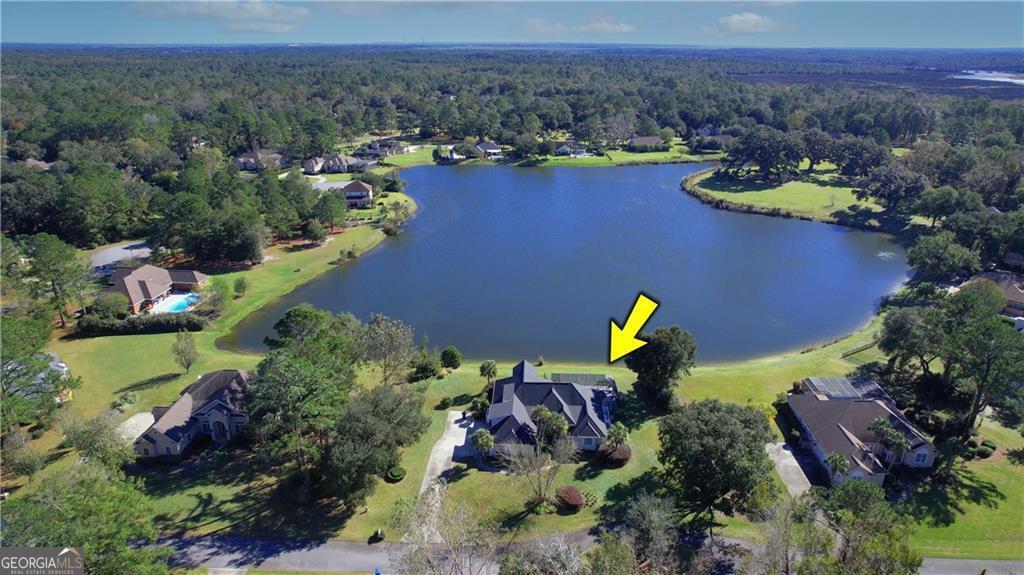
column 510, row 263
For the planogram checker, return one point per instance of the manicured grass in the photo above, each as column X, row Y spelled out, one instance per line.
column 982, row 515
column 422, row 155
column 818, row 195
column 678, row 153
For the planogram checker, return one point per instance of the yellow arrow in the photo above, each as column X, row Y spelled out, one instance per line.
column 623, row 340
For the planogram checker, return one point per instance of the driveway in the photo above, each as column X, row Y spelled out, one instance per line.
column 789, row 468
column 103, row 260
column 453, row 444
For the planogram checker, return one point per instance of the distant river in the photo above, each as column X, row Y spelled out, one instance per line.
column 509, row 263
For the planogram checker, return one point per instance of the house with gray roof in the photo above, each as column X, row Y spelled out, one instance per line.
column 586, row 401
column 210, row 406
column 835, row 415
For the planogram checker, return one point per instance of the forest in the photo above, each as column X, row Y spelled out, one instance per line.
column 103, row 144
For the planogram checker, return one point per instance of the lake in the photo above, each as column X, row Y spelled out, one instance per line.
column 511, row 263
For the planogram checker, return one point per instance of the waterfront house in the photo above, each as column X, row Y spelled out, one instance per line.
column 210, row 406
column 488, row 150
column 358, row 194
column 571, row 149
column 586, row 401
column 148, row 284
column 835, row 414
column 382, row 148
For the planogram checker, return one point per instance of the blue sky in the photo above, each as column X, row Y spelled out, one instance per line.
column 778, row 23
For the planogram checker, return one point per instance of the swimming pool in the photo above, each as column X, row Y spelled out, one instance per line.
column 175, row 303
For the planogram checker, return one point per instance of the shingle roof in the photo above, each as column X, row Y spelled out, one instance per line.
column 148, row 282
column 515, row 398
column 357, row 188
column 488, row 146
column 1011, row 284
column 226, row 386
column 841, row 426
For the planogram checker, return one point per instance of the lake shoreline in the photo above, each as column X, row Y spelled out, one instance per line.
column 249, row 346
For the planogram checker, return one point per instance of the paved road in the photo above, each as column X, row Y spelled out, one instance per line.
column 788, row 467
column 309, row 555
column 453, row 444
column 971, row 567
column 107, row 257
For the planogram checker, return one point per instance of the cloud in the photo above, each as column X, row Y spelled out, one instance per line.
column 745, row 23
column 241, row 16
column 601, row 26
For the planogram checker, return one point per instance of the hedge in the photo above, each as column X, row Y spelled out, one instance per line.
column 142, row 324
column 571, row 498
column 983, row 452
column 395, row 474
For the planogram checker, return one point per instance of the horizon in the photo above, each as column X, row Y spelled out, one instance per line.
column 787, row 24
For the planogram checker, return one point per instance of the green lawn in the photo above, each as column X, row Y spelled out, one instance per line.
column 678, row 153
column 818, row 195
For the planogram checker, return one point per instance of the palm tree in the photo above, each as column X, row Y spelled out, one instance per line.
column 489, row 370
column 837, row 464
column 617, row 435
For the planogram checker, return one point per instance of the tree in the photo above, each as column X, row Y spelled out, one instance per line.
column 990, row 362
column 330, row 210
column 451, row 357
column 794, row 540
column 617, row 435
column 314, row 232
column 775, row 153
column 489, row 371
column 298, row 396
column 482, row 441
column 551, row 426
column 217, row 294
column 89, row 507
column 911, row 334
column 550, row 556
column 818, row 146
column 612, row 556
column 110, row 304
column 941, row 256
column 367, row 437
column 97, row 440
column 59, row 276
column 837, row 465
column 894, row 186
column 651, row 525
column 944, row 201
column 389, row 344
column 714, row 456
column 446, row 538
column 658, row 364
column 184, row 350
column 858, row 156
column 241, row 286
column 538, row 468
column 24, row 460
column 872, row 535
column 22, row 361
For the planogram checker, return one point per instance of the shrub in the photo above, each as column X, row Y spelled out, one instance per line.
column 141, row 324
column 445, row 403
column 425, row 365
column 616, row 456
column 110, row 305
column 478, row 407
column 983, row 452
column 451, row 357
column 972, row 443
column 571, row 499
column 395, row 474
column 25, row 461
column 989, row 444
